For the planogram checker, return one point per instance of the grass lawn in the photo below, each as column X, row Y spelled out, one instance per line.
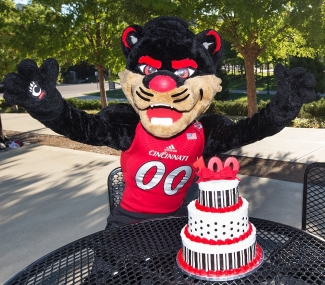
column 243, row 97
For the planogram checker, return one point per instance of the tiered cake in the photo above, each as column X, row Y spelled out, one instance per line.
column 219, row 242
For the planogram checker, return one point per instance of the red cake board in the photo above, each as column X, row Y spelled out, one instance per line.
column 221, row 275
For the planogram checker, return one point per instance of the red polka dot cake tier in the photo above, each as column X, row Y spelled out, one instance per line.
column 219, row 242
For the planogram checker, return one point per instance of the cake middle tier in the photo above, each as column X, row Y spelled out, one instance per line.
column 231, row 223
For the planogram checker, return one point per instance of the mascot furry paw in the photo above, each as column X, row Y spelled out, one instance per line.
column 169, row 81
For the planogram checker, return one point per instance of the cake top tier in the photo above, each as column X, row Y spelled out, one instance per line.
column 216, row 170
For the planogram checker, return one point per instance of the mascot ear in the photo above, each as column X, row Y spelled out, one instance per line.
column 212, row 42
column 130, row 37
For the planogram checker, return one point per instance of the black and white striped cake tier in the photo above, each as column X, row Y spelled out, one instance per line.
column 223, row 261
column 218, row 193
column 218, row 199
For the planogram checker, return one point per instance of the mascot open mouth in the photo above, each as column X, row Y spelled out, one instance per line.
column 163, row 115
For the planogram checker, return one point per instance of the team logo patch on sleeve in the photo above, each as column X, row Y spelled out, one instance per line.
column 191, row 136
column 198, row 125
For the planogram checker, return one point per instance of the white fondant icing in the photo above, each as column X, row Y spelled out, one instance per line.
column 217, row 226
column 218, row 185
column 219, row 249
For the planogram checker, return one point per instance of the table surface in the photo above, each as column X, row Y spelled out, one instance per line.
column 145, row 254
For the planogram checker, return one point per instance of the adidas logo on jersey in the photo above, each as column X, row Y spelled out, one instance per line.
column 170, row 148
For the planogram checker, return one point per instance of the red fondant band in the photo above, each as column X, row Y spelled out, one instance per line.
column 219, row 210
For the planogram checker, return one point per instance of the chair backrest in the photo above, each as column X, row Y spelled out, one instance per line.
column 313, row 213
column 115, row 183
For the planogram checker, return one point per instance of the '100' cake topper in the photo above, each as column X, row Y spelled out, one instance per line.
column 216, row 170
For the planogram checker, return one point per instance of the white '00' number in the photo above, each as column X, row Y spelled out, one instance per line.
column 161, row 169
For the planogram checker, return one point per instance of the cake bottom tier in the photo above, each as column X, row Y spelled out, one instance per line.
column 221, row 275
column 231, row 254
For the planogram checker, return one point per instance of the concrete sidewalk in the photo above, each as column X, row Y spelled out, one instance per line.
column 301, row 145
column 51, row 196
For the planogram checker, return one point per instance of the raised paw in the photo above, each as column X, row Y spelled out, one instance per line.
column 295, row 83
column 33, row 85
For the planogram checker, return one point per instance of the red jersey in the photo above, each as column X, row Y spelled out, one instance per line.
column 158, row 172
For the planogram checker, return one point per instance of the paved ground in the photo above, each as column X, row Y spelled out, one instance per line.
column 50, row 196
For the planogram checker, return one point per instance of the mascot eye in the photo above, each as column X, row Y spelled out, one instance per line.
column 184, row 72
column 147, row 69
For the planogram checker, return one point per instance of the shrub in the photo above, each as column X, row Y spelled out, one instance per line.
column 228, row 108
column 233, row 107
column 8, row 108
column 3, row 104
column 88, row 104
column 315, row 123
column 85, row 104
column 313, row 109
column 261, row 104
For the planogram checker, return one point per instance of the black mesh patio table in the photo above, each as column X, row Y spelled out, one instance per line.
column 145, row 254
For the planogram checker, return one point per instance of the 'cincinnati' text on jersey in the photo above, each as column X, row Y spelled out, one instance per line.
column 167, row 155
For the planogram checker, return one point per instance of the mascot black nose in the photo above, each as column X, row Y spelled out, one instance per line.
column 162, row 83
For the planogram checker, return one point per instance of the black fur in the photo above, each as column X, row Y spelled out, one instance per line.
column 168, row 38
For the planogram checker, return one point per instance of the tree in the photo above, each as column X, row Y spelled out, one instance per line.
column 9, row 52
column 42, row 33
column 93, row 28
column 258, row 28
column 140, row 11
column 32, row 31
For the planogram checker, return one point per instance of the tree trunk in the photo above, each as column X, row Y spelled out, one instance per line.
column 3, row 138
column 102, row 90
column 251, row 86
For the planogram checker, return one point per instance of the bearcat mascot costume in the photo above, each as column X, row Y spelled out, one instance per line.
column 170, row 80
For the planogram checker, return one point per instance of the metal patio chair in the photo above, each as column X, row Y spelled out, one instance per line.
column 115, row 183
column 313, row 213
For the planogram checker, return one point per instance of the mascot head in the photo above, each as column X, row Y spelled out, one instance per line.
column 170, row 73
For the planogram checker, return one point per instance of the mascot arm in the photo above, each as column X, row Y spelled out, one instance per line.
column 35, row 89
column 295, row 87
column 114, row 126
